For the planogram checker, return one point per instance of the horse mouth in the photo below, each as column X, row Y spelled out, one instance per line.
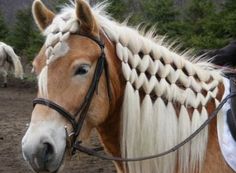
column 47, row 165
column 35, row 168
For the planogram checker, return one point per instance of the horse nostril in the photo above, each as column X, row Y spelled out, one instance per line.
column 48, row 152
column 40, row 156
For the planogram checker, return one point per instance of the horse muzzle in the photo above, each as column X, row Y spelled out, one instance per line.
column 44, row 152
column 41, row 158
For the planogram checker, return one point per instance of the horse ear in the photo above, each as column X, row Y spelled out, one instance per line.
column 86, row 18
column 42, row 15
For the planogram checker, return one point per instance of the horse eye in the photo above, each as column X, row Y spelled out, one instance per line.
column 82, row 70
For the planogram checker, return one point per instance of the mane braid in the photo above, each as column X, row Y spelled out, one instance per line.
column 166, row 79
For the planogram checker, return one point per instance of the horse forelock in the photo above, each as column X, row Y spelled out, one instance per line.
column 63, row 25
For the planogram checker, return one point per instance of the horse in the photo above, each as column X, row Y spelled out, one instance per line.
column 8, row 61
column 139, row 94
column 224, row 56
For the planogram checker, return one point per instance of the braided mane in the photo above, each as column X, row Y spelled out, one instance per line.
column 151, row 124
column 157, row 81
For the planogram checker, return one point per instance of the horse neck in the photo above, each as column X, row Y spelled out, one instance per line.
column 109, row 131
column 135, row 52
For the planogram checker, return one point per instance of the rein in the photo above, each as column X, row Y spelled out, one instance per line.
column 83, row 110
column 93, row 152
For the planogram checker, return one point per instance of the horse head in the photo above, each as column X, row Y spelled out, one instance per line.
column 141, row 97
column 65, row 67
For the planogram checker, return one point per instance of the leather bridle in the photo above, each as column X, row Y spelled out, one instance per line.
column 83, row 110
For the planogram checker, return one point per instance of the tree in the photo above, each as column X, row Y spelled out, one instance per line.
column 36, row 41
column 204, row 25
column 118, row 9
column 200, row 9
column 24, row 37
column 228, row 15
column 59, row 4
column 162, row 13
column 3, row 28
column 22, row 29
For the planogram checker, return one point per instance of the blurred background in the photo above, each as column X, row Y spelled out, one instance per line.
column 197, row 24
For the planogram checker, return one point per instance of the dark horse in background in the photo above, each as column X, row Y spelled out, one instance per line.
column 225, row 56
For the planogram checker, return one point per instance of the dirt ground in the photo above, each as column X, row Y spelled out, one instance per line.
column 15, row 111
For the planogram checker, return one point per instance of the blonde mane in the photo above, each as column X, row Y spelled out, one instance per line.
column 157, row 79
column 151, row 124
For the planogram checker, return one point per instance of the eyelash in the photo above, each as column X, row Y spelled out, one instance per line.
column 82, row 70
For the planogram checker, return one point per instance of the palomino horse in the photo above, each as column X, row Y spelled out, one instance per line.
column 148, row 98
column 9, row 60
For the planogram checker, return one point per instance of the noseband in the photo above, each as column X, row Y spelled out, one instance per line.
column 78, row 118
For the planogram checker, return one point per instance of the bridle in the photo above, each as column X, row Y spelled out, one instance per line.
column 83, row 110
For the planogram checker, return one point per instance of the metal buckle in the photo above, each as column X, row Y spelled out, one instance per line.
column 69, row 141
